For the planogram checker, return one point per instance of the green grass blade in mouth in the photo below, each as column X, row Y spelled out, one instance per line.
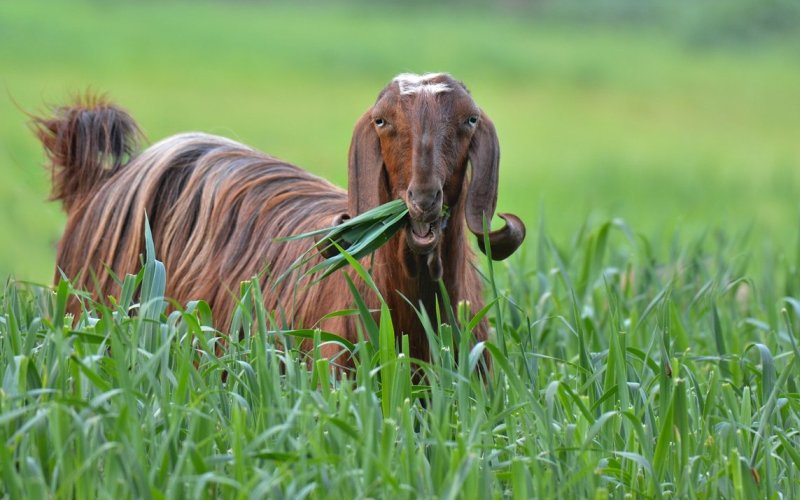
column 359, row 236
column 379, row 213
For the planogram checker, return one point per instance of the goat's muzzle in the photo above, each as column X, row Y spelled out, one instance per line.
column 424, row 230
column 425, row 226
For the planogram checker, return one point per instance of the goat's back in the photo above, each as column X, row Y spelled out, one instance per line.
column 215, row 207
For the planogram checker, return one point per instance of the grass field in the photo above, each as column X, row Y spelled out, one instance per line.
column 645, row 338
column 616, row 375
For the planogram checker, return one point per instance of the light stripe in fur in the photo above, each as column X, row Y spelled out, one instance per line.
column 411, row 83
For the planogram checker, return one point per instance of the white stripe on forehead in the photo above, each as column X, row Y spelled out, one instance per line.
column 413, row 84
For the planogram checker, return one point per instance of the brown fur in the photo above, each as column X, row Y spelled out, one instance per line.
column 217, row 206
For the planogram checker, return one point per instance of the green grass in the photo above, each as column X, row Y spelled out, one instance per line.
column 595, row 121
column 616, row 372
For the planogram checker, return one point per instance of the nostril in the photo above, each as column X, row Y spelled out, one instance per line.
column 411, row 201
column 424, row 200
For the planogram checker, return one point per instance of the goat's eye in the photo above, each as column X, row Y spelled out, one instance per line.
column 472, row 120
column 380, row 122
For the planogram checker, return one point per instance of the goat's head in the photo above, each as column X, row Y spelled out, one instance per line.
column 415, row 144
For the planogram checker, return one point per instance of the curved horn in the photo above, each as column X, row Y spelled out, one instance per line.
column 506, row 240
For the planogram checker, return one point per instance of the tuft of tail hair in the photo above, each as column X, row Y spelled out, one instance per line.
column 86, row 143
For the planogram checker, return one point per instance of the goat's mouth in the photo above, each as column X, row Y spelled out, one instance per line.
column 423, row 236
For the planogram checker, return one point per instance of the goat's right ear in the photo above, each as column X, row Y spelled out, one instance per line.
column 364, row 168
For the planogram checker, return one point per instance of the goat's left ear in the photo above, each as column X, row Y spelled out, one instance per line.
column 484, row 155
column 364, row 168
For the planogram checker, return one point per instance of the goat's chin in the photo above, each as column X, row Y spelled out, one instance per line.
column 423, row 237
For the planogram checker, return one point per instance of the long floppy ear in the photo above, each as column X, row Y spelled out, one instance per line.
column 365, row 166
column 484, row 155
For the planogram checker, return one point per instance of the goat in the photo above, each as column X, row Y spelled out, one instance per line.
column 217, row 206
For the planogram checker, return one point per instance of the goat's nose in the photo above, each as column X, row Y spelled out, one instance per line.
column 424, row 199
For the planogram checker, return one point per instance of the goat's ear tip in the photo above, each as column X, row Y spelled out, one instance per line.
column 338, row 219
column 506, row 240
column 516, row 222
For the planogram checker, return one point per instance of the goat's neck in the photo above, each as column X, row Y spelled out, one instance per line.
column 395, row 282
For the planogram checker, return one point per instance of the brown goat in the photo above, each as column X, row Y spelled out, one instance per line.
column 216, row 207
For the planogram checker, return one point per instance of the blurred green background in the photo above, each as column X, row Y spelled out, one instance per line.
column 680, row 117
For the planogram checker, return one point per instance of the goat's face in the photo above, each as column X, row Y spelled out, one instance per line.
column 425, row 126
column 415, row 144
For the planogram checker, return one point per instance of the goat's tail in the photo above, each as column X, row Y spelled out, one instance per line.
column 86, row 143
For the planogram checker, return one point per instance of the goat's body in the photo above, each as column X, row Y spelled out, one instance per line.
column 215, row 208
